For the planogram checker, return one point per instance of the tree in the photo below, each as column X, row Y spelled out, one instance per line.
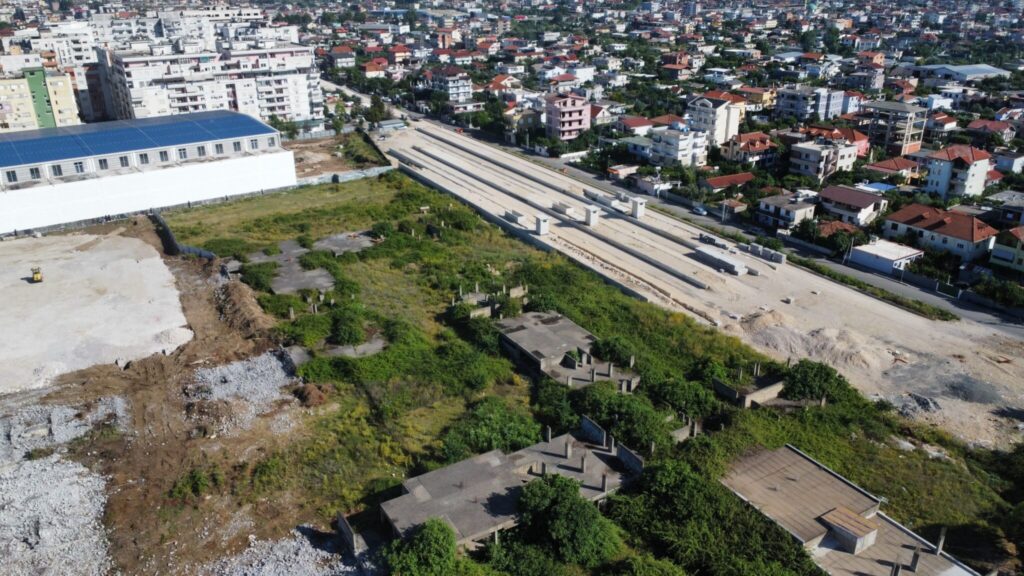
column 644, row 566
column 815, row 380
column 490, row 425
column 429, row 551
column 554, row 516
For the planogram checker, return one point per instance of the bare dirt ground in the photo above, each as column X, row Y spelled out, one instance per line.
column 320, row 156
column 104, row 298
column 147, row 532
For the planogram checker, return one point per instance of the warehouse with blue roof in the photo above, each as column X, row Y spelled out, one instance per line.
column 55, row 176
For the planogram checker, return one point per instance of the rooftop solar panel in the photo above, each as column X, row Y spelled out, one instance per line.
column 60, row 144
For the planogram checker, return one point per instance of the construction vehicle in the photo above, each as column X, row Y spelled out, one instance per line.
column 37, row 275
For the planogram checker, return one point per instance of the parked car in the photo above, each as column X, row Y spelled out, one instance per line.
column 699, row 211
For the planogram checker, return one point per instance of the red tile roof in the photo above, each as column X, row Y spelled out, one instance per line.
column 719, row 182
column 668, row 119
column 635, row 121
column 944, row 222
column 826, row 229
column 897, row 164
column 968, row 154
column 988, row 126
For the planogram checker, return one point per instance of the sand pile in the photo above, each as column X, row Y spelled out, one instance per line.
column 842, row 349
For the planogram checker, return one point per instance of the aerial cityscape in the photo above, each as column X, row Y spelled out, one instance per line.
column 512, row 288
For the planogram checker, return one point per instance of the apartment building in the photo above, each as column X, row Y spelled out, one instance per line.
column 718, row 118
column 1008, row 250
column 261, row 79
column 806, row 102
column 568, row 116
column 897, row 127
column 822, row 158
column 665, row 146
column 453, row 82
column 37, row 99
column 958, row 170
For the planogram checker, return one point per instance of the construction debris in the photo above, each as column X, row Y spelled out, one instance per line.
column 306, row 553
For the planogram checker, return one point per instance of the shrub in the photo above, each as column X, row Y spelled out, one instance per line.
column 429, row 551
column 230, row 248
column 490, row 425
column 554, row 516
column 259, row 276
column 269, row 474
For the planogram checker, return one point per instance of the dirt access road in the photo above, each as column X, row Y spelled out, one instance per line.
column 975, row 373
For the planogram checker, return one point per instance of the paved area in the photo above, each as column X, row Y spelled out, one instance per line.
column 291, row 277
column 103, row 299
column 784, row 311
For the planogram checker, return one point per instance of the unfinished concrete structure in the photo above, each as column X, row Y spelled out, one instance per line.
column 838, row 523
column 549, row 344
column 478, row 497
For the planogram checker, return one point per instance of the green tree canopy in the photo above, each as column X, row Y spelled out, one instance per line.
column 555, row 516
column 429, row 551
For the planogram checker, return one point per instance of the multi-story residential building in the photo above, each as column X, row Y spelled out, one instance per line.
column 1008, row 249
column 685, row 147
column 784, row 211
column 37, row 99
column 806, row 102
column 897, row 127
column 452, row 81
column 758, row 99
column 943, row 230
column 263, row 80
column 718, row 118
column 568, row 116
column 754, row 148
column 939, row 126
column 852, row 205
column 821, row 158
column 958, row 170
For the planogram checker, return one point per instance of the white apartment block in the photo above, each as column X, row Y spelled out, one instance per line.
column 262, row 79
column 685, row 147
column 959, row 170
column 822, row 158
column 719, row 119
column 454, row 82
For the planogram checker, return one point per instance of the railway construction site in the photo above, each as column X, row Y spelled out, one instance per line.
column 972, row 372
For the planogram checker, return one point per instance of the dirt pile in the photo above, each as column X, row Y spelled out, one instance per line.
column 240, row 310
column 843, row 349
column 50, row 519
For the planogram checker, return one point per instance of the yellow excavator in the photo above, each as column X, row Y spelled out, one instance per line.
column 37, row 275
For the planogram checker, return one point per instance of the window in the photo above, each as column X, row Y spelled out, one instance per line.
column 254, row 144
column 218, row 148
column 164, row 157
column 237, row 146
column 56, row 170
column 103, row 164
column 945, row 240
column 124, row 161
column 201, row 151
column 143, row 158
column 271, row 142
column 12, row 176
column 959, row 244
column 182, row 154
column 34, row 174
column 79, row 168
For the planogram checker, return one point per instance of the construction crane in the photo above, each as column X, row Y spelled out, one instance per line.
column 37, row 275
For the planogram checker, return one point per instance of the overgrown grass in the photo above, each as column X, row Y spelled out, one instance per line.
column 357, row 148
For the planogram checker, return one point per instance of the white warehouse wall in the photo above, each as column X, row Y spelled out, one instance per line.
column 48, row 205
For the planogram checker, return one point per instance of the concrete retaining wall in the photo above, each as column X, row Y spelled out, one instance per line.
column 592, row 432
column 633, row 461
column 89, row 199
column 339, row 177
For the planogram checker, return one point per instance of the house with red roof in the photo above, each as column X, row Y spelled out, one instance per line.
column 635, row 125
column 898, row 165
column 959, row 170
column 503, row 84
column 756, row 148
column 1008, row 250
column 342, row 57
column 982, row 129
column 399, row 54
column 719, row 183
column 855, row 137
column 943, row 230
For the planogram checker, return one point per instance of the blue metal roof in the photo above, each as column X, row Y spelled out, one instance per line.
column 84, row 140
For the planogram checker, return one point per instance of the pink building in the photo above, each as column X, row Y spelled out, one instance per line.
column 568, row 116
